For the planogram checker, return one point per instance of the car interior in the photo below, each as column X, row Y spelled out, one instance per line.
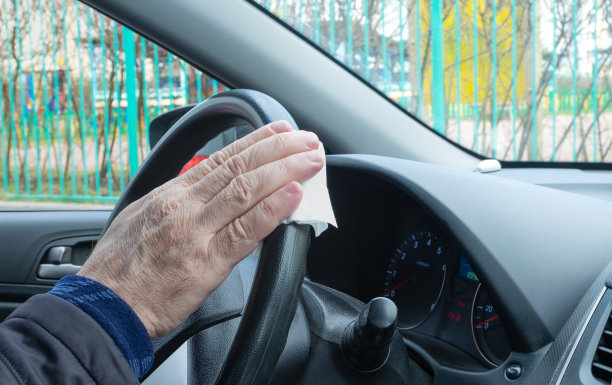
column 440, row 271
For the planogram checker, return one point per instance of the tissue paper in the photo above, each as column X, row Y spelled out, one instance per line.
column 315, row 208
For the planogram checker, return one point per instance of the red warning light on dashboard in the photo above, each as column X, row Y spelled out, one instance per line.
column 454, row 316
column 460, row 303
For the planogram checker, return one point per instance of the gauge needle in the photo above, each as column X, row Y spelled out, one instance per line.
column 487, row 320
column 395, row 287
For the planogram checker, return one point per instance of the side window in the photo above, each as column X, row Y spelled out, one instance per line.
column 77, row 94
column 517, row 80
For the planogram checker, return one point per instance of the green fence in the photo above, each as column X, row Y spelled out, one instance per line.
column 77, row 94
column 510, row 79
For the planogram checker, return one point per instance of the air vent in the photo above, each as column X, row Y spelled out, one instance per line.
column 602, row 361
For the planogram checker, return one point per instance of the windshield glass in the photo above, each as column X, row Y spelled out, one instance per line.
column 517, row 80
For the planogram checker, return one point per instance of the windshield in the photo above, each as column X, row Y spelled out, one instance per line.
column 517, row 80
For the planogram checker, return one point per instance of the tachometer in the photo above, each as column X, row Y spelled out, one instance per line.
column 489, row 334
column 415, row 276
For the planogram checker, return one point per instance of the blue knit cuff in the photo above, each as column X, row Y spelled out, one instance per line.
column 114, row 315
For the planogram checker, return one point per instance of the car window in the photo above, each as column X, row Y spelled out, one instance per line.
column 518, row 80
column 77, row 94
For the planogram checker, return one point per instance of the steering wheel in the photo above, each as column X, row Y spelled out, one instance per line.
column 272, row 303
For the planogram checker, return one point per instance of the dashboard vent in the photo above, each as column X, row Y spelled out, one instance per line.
column 602, row 361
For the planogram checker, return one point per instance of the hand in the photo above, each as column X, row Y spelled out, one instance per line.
column 166, row 252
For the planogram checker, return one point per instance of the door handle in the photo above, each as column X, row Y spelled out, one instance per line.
column 57, row 263
column 51, row 271
column 58, row 254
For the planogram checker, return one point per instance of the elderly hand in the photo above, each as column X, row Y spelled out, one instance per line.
column 165, row 253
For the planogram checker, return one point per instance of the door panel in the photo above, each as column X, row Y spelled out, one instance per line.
column 27, row 237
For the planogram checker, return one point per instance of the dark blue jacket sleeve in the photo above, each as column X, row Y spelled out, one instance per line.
column 48, row 340
column 114, row 315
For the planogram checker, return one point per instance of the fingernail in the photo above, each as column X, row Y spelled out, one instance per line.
column 311, row 139
column 313, row 156
column 292, row 188
column 280, row 126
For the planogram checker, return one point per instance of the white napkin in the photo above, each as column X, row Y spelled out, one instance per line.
column 315, row 208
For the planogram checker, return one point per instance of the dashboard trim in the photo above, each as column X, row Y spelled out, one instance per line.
column 568, row 359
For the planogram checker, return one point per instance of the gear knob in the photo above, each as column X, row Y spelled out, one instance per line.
column 365, row 343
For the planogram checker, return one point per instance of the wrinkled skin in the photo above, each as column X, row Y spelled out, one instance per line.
column 165, row 253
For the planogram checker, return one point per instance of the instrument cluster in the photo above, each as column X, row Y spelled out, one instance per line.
column 438, row 294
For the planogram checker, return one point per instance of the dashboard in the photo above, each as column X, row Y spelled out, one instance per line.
column 393, row 247
column 495, row 280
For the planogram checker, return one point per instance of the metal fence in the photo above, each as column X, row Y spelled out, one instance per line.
column 77, row 94
column 511, row 79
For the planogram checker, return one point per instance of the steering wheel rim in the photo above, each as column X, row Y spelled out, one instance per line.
column 273, row 300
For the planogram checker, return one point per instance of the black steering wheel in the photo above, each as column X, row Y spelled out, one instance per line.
column 271, row 306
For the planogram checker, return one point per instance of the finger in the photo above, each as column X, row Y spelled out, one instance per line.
column 246, row 190
column 236, row 240
column 202, row 169
column 261, row 153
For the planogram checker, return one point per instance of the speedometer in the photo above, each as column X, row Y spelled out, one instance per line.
column 414, row 277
